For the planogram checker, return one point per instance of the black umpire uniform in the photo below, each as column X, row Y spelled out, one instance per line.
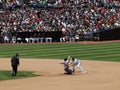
column 14, row 64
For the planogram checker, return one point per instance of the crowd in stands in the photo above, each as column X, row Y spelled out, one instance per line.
column 72, row 17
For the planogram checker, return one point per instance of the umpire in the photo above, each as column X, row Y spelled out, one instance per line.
column 14, row 64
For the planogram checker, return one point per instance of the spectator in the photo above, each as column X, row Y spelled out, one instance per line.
column 73, row 17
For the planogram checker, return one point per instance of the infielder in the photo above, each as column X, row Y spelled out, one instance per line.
column 76, row 62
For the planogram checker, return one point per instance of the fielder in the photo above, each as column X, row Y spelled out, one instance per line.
column 77, row 63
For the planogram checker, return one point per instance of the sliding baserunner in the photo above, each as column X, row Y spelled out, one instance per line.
column 67, row 67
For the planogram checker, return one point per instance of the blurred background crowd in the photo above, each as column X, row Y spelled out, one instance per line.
column 72, row 17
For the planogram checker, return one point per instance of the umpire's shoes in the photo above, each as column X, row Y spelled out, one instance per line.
column 13, row 74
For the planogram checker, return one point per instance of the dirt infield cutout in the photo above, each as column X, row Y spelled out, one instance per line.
column 100, row 75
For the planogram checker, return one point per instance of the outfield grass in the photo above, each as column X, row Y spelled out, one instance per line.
column 6, row 75
column 105, row 52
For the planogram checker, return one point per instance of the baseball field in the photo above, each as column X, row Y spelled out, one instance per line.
column 101, row 60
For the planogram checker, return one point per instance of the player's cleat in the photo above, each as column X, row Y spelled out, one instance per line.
column 84, row 72
column 68, row 73
column 73, row 70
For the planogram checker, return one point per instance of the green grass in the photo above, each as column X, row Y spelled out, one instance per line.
column 105, row 52
column 6, row 75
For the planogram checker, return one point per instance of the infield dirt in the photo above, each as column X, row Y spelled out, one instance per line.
column 100, row 75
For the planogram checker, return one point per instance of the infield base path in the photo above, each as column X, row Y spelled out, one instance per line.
column 100, row 76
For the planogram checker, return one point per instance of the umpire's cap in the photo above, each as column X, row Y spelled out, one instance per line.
column 17, row 54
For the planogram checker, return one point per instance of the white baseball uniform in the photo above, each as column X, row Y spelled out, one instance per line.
column 78, row 64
